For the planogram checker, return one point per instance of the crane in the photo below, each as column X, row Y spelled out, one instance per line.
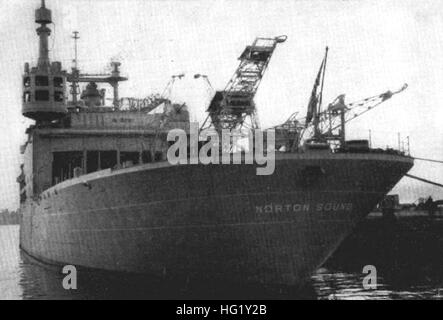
column 152, row 101
column 332, row 120
column 232, row 107
column 328, row 125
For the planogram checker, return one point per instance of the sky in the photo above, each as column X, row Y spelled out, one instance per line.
column 374, row 46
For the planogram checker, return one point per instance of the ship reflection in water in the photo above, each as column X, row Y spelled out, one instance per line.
column 405, row 252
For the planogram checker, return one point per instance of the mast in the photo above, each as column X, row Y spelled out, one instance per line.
column 317, row 115
column 75, row 37
column 75, row 77
column 317, row 107
column 314, row 105
column 44, row 85
column 75, row 72
column 43, row 17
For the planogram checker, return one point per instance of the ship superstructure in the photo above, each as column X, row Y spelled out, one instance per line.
column 81, row 135
column 97, row 191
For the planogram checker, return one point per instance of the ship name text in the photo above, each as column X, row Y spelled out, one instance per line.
column 303, row 207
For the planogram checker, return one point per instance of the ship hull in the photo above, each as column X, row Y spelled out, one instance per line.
column 210, row 222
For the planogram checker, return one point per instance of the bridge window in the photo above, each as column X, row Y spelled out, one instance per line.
column 41, row 81
column 108, row 159
column 158, row 156
column 41, row 95
column 58, row 96
column 99, row 160
column 92, row 161
column 129, row 158
column 27, row 82
column 64, row 164
column 58, row 82
column 146, row 156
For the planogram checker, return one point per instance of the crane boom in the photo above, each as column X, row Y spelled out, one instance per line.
column 230, row 108
column 355, row 109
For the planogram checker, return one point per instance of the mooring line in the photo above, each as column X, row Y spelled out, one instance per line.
column 430, row 160
column 424, row 180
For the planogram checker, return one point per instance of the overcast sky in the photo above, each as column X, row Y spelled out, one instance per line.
column 374, row 46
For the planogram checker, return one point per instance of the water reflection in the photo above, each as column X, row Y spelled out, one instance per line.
column 40, row 282
column 348, row 286
column 407, row 254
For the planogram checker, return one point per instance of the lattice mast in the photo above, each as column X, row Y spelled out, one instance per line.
column 234, row 107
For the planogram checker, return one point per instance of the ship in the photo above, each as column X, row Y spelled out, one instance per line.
column 97, row 190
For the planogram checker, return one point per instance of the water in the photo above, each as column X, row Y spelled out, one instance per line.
column 407, row 254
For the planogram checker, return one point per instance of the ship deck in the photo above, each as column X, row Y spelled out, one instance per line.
column 279, row 156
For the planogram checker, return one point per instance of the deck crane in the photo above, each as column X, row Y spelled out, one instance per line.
column 331, row 124
column 234, row 108
column 328, row 125
column 338, row 113
column 113, row 78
